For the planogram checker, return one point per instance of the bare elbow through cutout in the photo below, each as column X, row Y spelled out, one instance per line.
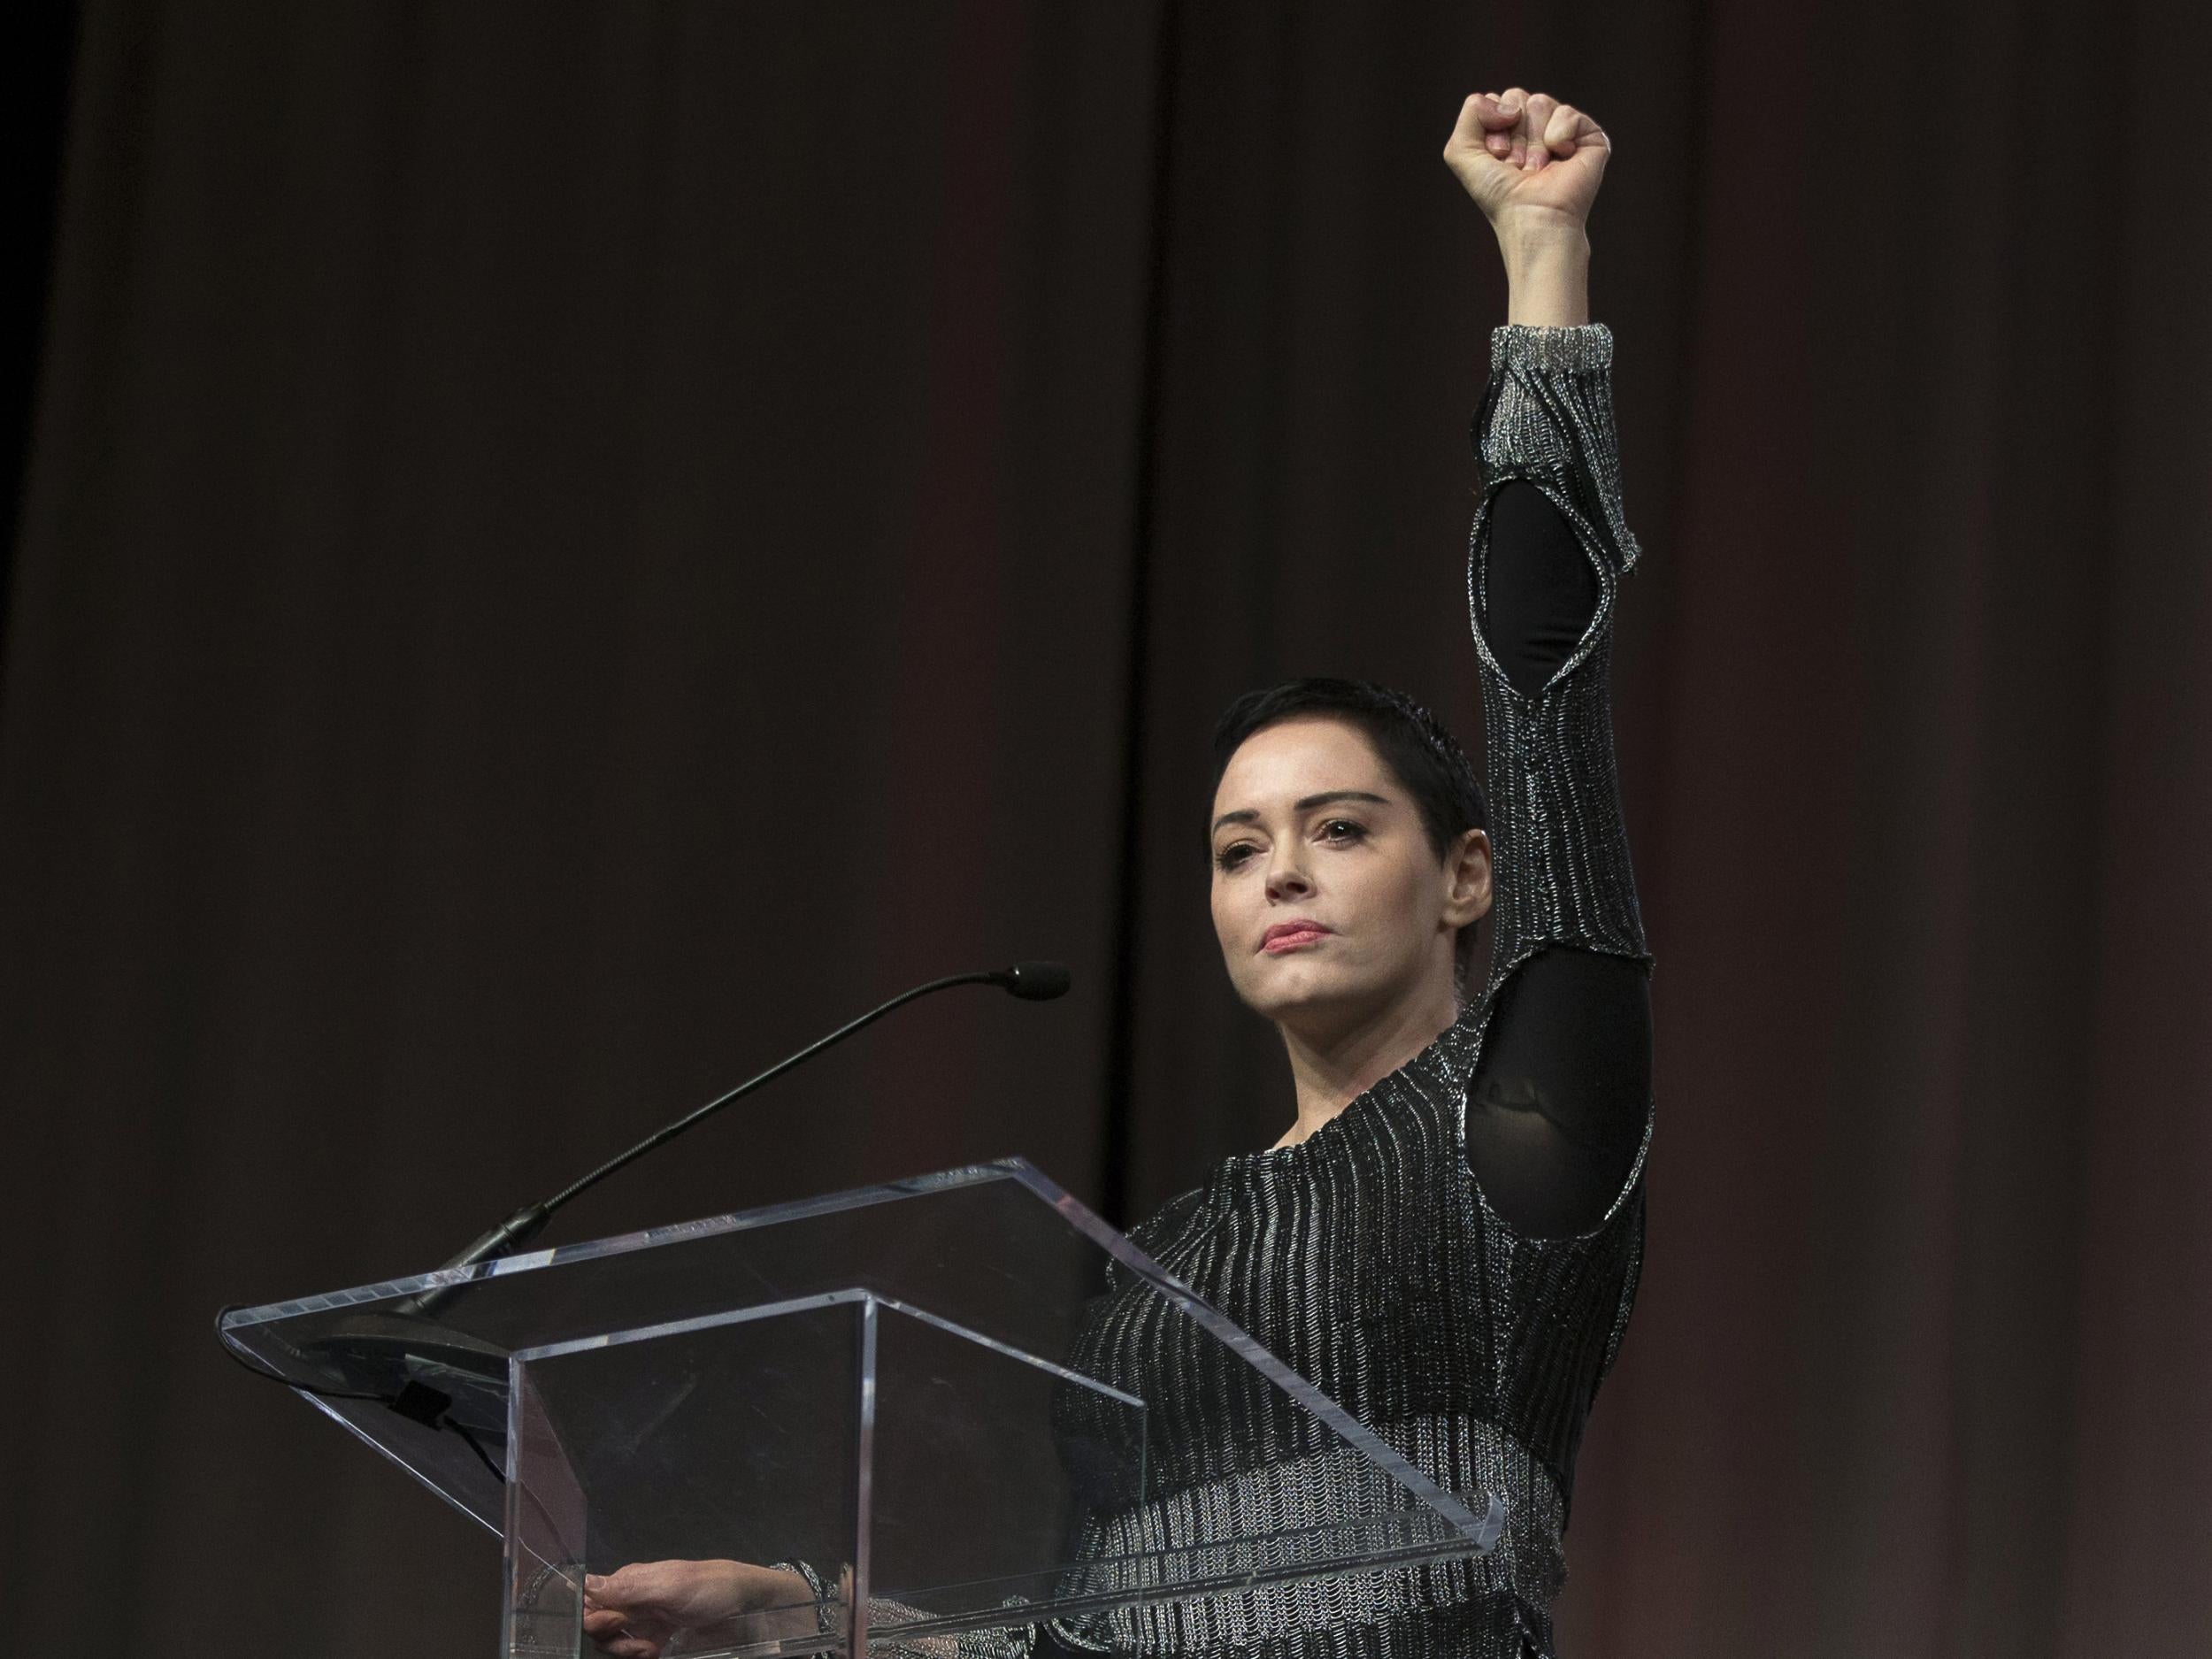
column 1555, row 1113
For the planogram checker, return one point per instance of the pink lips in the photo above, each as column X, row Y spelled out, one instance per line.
column 1295, row 935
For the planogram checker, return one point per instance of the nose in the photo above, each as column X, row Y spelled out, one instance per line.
column 1286, row 875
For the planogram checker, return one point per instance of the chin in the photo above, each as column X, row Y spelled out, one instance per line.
column 1282, row 991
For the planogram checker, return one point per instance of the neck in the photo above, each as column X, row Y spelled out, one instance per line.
column 1333, row 1068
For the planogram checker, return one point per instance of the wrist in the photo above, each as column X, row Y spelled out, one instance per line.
column 1546, row 269
column 1535, row 237
column 803, row 1600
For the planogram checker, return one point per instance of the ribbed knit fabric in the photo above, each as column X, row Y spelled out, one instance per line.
column 1366, row 1257
column 1560, row 849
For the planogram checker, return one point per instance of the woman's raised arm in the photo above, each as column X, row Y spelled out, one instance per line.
column 1558, row 1105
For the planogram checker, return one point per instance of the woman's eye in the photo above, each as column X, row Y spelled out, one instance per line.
column 1229, row 857
column 1340, row 829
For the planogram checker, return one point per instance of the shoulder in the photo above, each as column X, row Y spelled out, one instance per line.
column 1164, row 1224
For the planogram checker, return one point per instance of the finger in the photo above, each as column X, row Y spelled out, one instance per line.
column 625, row 1642
column 1470, row 132
column 1514, row 102
column 1497, row 123
column 1482, row 124
column 1490, row 110
column 641, row 1584
column 1479, row 113
column 1530, row 130
column 1561, row 131
column 610, row 1589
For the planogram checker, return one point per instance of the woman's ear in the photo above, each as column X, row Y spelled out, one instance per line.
column 1467, row 879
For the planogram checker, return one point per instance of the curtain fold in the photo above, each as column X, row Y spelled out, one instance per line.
column 567, row 550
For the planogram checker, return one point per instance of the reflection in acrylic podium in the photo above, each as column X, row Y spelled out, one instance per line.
column 902, row 1386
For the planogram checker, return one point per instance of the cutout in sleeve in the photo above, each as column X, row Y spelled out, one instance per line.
column 1540, row 591
column 1557, row 1107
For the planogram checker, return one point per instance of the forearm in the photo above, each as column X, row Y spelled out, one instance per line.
column 1533, row 165
column 1547, row 270
column 1561, row 851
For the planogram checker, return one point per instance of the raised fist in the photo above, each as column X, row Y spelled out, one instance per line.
column 1525, row 153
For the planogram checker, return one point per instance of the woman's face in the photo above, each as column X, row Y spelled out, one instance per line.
column 1328, row 899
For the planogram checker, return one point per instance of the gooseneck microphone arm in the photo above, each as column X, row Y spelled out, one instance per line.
column 1032, row 981
column 442, row 1377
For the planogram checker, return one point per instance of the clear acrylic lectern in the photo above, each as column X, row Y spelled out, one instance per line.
column 892, row 1385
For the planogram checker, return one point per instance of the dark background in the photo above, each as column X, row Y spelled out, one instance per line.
column 565, row 549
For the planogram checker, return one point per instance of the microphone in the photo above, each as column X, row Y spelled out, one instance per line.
column 1031, row 981
column 1035, row 981
column 440, row 1376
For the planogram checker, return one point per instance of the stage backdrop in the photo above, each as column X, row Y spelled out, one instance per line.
column 569, row 548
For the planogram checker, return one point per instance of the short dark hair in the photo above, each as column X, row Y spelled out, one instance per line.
column 1416, row 746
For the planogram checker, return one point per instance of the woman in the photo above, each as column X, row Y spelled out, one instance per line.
column 1446, row 1240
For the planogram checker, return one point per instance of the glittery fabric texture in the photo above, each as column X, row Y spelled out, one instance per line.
column 1366, row 1256
column 1563, row 873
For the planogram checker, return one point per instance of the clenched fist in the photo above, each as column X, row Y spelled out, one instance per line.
column 1526, row 154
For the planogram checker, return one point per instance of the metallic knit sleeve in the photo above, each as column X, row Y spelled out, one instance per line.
column 1558, row 843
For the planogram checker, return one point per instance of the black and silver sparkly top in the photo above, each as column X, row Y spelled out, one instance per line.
column 1368, row 1257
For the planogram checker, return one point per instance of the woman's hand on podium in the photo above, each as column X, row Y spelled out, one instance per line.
column 635, row 1611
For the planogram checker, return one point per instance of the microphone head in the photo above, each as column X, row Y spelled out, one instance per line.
column 1035, row 981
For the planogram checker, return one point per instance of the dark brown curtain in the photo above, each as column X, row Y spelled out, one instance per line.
column 567, row 549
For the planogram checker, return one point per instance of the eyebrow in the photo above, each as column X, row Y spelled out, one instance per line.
column 1327, row 798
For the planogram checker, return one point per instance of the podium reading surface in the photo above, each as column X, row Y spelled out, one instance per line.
column 891, row 1384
